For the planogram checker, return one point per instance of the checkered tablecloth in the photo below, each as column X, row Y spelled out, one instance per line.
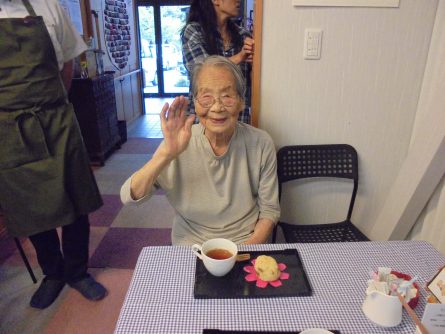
column 160, row 297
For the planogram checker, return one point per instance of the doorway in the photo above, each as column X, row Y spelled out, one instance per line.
column 163, row 70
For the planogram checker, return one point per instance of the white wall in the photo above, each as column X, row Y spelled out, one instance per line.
column 430, row 225
column 424, row 164
column 363, row 91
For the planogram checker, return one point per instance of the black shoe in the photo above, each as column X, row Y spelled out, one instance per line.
column 89, row 288
column 47, row 293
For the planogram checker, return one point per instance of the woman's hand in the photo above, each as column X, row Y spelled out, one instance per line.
column 261, row 233
column 248, row 49
column 176, row 127
column 177, row 130
column 246, row 53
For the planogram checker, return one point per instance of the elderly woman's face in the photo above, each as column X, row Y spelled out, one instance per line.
column 217, row 103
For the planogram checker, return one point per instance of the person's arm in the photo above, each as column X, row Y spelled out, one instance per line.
column 268, row 202
column 176, row 128
column 246, row 53
column 67, row 74
column 262, row 231
column 194, row 51
column 69, row 43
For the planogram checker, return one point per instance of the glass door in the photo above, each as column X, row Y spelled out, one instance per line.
column 148, row 49
column 164, row 73
column 174, row 72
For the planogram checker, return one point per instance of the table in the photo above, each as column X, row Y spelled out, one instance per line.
column 160, row 297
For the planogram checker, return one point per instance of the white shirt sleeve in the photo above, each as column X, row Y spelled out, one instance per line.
column 67, row 42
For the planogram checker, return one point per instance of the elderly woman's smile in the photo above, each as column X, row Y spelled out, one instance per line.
column 218, row 103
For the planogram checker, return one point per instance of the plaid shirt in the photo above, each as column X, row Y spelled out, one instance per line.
column 193, row 52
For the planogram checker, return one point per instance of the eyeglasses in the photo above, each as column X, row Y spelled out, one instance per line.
column 206, row 101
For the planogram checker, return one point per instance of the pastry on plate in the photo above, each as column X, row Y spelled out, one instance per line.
column 266, row 268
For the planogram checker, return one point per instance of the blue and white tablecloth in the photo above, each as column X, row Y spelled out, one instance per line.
column 160, row 297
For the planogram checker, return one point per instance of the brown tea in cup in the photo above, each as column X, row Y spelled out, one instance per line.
column 219, row 254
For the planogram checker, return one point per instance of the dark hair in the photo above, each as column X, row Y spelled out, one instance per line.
column 203, row 12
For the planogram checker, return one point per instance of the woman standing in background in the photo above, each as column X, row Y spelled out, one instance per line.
column 209, row 30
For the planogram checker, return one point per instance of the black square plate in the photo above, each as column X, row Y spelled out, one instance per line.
column 234, row 285
column 218, row 331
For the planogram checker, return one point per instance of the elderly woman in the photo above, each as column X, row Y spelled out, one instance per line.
column 220, row 174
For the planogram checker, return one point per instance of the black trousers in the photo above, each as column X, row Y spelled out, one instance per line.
column 72, row 264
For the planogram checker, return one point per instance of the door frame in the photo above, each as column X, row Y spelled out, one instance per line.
column 256, row 66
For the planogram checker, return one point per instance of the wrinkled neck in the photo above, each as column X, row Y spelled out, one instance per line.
column 219, row 142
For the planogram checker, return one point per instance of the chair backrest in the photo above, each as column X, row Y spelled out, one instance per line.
column 307, row 161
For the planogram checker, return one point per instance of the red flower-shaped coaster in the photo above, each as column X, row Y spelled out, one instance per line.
column 252, row 276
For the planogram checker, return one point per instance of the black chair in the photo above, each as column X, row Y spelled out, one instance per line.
column 19, row 247
column 319, row 161
column 25, row 260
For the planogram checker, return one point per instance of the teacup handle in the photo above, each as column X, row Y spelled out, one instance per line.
column 195, row 249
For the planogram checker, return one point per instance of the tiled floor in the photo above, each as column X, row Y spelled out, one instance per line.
column 117, row 236
column 149, row 125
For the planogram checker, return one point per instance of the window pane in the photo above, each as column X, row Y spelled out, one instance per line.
column 175, row 75
column 148, row 49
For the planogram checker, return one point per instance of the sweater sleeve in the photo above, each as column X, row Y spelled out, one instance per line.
column 268, row 187
column 125, row 194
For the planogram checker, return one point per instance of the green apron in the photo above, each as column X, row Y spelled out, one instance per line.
column 45, row 177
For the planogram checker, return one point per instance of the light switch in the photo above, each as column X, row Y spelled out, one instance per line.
column 312, row 43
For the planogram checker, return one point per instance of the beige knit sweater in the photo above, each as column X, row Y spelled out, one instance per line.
column 219, row 196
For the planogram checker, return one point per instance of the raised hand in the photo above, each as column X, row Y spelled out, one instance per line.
column 248, row 50
column 177, row 130
column 176, row 127
column 246, row 53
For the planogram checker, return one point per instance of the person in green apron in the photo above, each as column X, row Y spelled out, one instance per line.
column 45, row 178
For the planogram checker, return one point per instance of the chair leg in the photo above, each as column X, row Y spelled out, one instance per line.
column 25, row 259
